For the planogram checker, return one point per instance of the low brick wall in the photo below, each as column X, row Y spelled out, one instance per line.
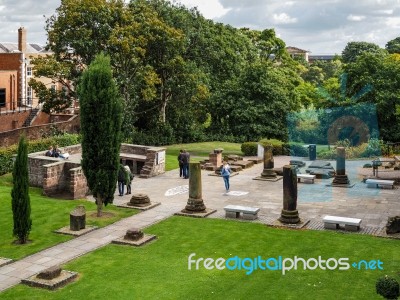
column 11, row 137
column 65, row 177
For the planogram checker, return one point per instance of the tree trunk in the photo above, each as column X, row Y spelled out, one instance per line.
column 99, row 202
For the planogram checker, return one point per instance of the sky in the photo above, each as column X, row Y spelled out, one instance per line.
column 318, row 26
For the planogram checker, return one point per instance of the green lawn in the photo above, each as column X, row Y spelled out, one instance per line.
column 47, row 214
column 159, row 270
column 198, row 151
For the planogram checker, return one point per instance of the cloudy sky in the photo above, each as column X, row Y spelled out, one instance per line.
column 319, row 26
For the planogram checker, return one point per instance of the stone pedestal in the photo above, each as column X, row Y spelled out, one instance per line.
column 289, row 214
column 215, row 159
column 50, row 273
column 341, row 178
column 268, row 171
column 195, row 202
column 133, row 234
column 77, row 218
column 140, row 200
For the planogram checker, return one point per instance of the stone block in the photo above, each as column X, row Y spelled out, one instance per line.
column 50, row 273
column 77, row 218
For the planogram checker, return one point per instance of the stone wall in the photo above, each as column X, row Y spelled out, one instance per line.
column 78, row 185
column 11, row 121
column 11, row 137
column 66, row 178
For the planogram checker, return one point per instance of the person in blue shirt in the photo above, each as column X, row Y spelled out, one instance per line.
column 226, row 173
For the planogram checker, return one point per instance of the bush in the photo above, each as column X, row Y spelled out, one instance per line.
column 249, row 148
column 294, row 149
column 388, row 287
column 276, row 144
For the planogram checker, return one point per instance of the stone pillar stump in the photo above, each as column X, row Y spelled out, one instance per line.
column 341, row 177
column 289, row 214
column 77, row 218
column 195, row 203
column 268, row 171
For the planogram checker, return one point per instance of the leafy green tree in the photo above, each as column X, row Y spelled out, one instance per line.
column 255, row 104
column 355, row 49
column 393, row 46
column 21, row 206
column 101, row 117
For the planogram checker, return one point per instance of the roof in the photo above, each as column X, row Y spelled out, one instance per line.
column 13, row 47
column 291, row 49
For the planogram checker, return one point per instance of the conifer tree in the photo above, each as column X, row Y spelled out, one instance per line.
column 21, row 206
column 101, row 118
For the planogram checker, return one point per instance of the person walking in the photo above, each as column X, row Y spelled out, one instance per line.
column 180, row 161
column 226, row 173
column 121, row 179
column 185, row 160
column 129, row 178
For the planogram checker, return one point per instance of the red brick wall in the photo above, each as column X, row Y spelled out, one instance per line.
column 12, row 121
column 11, row 137
column 43, row 118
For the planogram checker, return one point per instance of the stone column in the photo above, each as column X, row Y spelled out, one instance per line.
column 268, row 171
column 289, row 214
column 340, row 177
column 195, row 202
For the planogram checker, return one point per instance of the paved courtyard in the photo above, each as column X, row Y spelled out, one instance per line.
column 315, row 201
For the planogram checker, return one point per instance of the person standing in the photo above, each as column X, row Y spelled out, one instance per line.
column 121, row 179
column 185, row 160
column 180, row 161
column 226, row 173
column 129, row 178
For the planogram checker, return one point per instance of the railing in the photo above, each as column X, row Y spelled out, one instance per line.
column 19, row 106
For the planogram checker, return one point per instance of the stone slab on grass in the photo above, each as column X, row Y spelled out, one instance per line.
column 145, row 239
column 142, row 208
column 67, row 230
column 52, row 284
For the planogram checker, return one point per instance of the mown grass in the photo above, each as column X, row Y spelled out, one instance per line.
column 47, row 214
column 159, row 270
column 198, row 151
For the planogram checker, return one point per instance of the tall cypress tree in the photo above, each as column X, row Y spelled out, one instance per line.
column 101, row 118
column 21, row 206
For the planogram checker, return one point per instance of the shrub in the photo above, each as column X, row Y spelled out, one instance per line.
column 294, row 149
column 276, row 144
column 388, row 287
column 249, row 148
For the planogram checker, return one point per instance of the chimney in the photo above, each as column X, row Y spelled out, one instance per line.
column 22, row 39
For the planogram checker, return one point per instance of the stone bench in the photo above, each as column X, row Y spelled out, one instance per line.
column 333, row 222
column 306, row 177
column 379, row 183
column 249, row 213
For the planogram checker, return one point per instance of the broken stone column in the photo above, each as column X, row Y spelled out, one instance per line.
column 268, row 171
column 77, row 218
column 50, row 273
column 133, row 234
column 139, row 200
column 195, row 203
column 215, row 158
column 341, row 177
column 289, row 214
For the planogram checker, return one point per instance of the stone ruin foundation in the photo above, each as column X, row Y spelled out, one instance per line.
column 134, row 237
column 51, row 278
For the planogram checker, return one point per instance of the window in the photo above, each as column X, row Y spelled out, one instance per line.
column 2, row 97
column 29, row 96
column 28, row 71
